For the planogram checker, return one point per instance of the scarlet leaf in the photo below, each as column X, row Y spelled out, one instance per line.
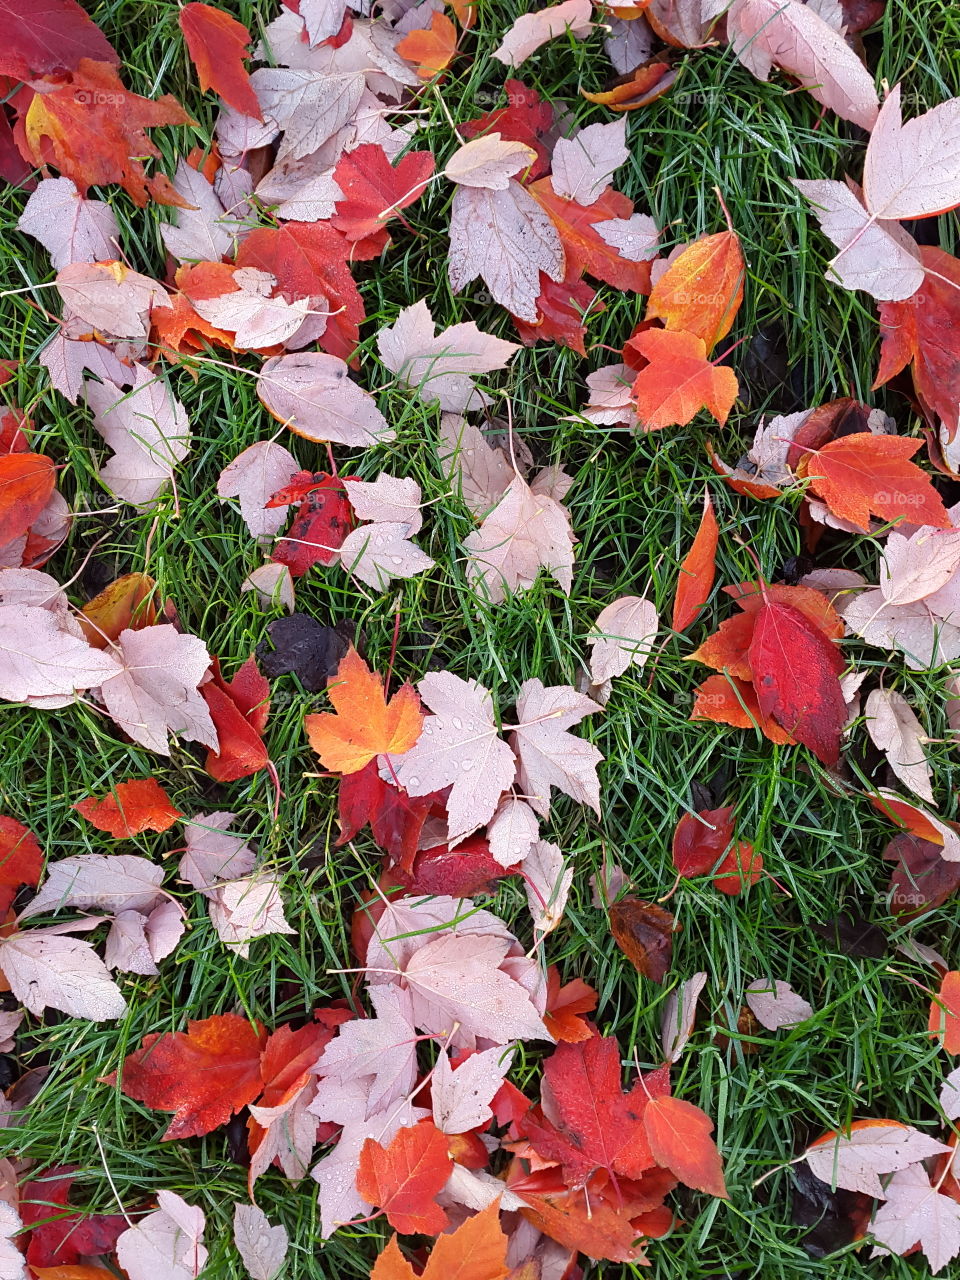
column 925, row 330
column 586, row 251
column 751, row 597
column 565, row 1004
column 795, row 673
column 697, row 571
column 679, row 1136
column 365, row 724
column 21, row 858
column 375, row 190
column 41, row 36
column 701, row 291
column 404, row 1178
column 395, row 818
column 679, row 381
column 589, row 1222
column 203, row 1075
column 93, row 130
column 477, row 1250
column 318, row 529
column 526, row 119
column 62, row 1239
column 944, row 1021
column 729, row 647
column 726, row 700
column 701, row 839
column 218, row 46
column 562, row 308
column 741, row 868
column 26, row 483
column 131, row 808
column 864, row 473
column 459, row 873
column 431, row 48
column 239, row 710
column 308, row 260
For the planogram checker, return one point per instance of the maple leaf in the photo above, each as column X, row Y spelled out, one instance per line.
column 582, row 165
column 204, row 1075
column 924, row 333
column 580, row 230
column 531, row 30
column 128, row 603
column 430, row 48
column 380, row 1051
column 697, row 570
column 46, row 36
column 26, row 482
column 679, row 381
column 461, row 1096
column 461, row 872
column 47, row 970
column 702, row 289
column 365, row 724
column 318, row 530
column 166, row 1242
column 564, row 1006
column 374, row 190
column 93, row 130
column 262, row 1247
column 856, row 1160
column 775, row 1004
column 132, row 807
column 897, row 732
column 701, row 839
column 944, row 1020
column 254, row 476
column 312, row 395
column 623, row 634
column 863, row 473
column 800, row 42
column 915, row 1212
column 21, row 859
column 70, row 228
column 396, row 819
column 525, row 532
column 239, row 709
column 549, row 756
column 477, row 1250
column 205, row 231
column 218, row 46
column 404, row 1178
column 644, row 933
column 525, row 119
column 61, row 1239
column 679, row 1138
column 242, row 910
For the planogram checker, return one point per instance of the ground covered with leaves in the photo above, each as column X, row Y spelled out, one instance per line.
column 806, row 900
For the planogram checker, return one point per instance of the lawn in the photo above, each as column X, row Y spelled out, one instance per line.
column 635, row 505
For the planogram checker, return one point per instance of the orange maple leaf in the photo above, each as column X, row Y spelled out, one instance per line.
column 679, row 1137
column 944, row 1021
column 26, row 483
column 864, row 473
column 403, row 1178
column 92, row 130
column 131, row 808
column 698, row 570
column 702, row 289
column 679, row 381
column 365, row 724
column 430, row 49
column 477, row 1250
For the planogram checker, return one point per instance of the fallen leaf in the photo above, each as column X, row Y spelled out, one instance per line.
column 262, row 1247
column 374, row 190
column 697, row 570
column 548, row 755
column 583, row 165
column 679, row 1016
column 46, row 970
column 243, row 910
column 167, row 1242
column 586, row 248
column 913, row 1213
column 254, row 476
column 524, row 533
column 312, row 395
column 623, row 634
column 679, row 1137
column 303, row 646
column 775, row 1004
column 477, row 1250
column 461, row 1096
column 855, row 1160
column 432, row 48
column 29, row 50
column 107, row 299
column 489, row 162
column 896, row 731
column 377, row 553
column 69, row 227
column 701, row 290
column 403, row 1178
column 532, row 30
column 45, row 660
column 679, row 381
column 212, row 854
column 644, row 933
column 218, row 46
column 26, row 482
column 548, row 877
column 96, row 881
column 239, row 709
column 250, row 311
column 944, row 1021
column 131, row 808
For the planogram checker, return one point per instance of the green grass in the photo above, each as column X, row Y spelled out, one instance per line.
column 635, row 506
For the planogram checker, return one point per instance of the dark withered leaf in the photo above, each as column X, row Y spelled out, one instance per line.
column 853, row 936
column 305, row 647
column 644, row 933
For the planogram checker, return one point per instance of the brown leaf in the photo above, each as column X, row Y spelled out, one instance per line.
column 644, row 933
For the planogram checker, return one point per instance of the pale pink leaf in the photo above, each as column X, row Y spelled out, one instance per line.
column 917, row 566
column 262, row 1247
column 476, row 1189
column 388, row 499
column 9, row 1022
column 912, row 170
column 610, row 401
column 66, row 361
column 323, row 18
column 950, row 1095
column 607, row 884
column 506, row 239
column 250, row 313
column 309, row 106
column 313, row 394
column 917, row 1213
column 775, row 1004
column 380, row 1051
column 532, row 30
column 583, row 165
column 47, row 970
column 109, row 298
column 203, row 233
column 378, row 553
column 792, row 36
column 512, row 831
column 623, row 633
column 254, row 476
column 479, row 472
column 438, row 366
column 925, row 639
column 167, row 1242
column 11, row 1259
column 299, row 191
column 879, row 257
column 69, row 227
column 856, row 1161
column 679, row 1016
column 896, row 731
column 273, row 584
column 628, row 43
column 290, row 1136
column 407, row 923
column 148, row 431
column 214, row 854
column 42, row 657
column 523, row 534
column 549, row 755
column 243, row 910
column 635, row 238
column 489, row 161
column 98, row 881
column 459, row 747
column 547, row 876
column 461, row 1096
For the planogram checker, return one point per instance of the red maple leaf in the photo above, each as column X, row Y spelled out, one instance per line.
column 563, row 309
column 586, row 252
column 525, row 118
column 323, row 521
column 43, row 36
column 375, row 191
column 26, row 483
column 218, row 45
column 701, row 839
column 21, row 860
column 61, row 1240
column 239, row 710
column 395, row 818
column 403, row 1178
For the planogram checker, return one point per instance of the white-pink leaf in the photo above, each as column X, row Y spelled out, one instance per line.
column 532, row 30
column 635, row 238
column 262, row 1247
column 896, row 731
column 856, row 1161
column 461, row 1096
column 512, row 831
column 583, row 165
column 547, row 876
column 912, row 170
column 242, row 910
column 506, row 239
column 109, row 298
column 313, row 395
column 213, row 853
column 323, row 18
column 623, row 633
column 378, row 553
column 69, row 227
column 309, row 106
column 167, row 1242
column 388, row 499
column 11, row 1259
column 479, row 473
column 101, row 881
column 775, row 1004
column 380, row 1051
column 273, row 584
column 489, row 162
column 41, row 658
column 203, row 233
column 916, row 566
column 48, row 970
column 66, row 362
column 524, row 533
column 549, row 755
column 250, row 313
column 254, row 476
column 917, row 1213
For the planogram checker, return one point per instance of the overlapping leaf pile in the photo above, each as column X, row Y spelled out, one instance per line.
column 405, row 1088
